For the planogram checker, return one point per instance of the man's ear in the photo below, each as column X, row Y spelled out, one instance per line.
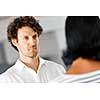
column 14, row 42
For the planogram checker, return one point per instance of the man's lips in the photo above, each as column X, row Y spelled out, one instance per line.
column 33, row 47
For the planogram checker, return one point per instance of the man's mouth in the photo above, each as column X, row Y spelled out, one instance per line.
column 33, row 47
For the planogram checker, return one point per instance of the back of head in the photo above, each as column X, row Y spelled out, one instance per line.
column 83, row 38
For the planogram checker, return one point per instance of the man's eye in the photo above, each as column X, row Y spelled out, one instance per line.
column 26, row 38
column 35, row 36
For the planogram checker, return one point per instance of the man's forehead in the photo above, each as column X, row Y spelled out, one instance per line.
column 26, row 30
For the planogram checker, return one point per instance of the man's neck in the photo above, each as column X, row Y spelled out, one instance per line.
column 32, row 63
column 82, row 66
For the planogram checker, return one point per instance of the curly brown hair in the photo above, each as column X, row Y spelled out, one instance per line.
column 20, row 22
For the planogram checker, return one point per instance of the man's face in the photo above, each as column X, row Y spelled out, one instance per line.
column 27, row 42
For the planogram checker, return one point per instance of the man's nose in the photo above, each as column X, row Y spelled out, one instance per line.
column 32, row 41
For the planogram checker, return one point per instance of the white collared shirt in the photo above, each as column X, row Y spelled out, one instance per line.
column 20, row 73
column 93, row 77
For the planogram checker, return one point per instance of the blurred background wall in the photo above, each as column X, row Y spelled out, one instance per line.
column 52, row 41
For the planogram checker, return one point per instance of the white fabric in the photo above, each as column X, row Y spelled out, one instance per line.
column 21, row 73
column 83, row 78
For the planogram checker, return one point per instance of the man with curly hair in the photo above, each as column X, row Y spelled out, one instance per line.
column 23, row 34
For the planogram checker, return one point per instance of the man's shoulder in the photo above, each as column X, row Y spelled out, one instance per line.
column 54, row 65
column 7, row 72
column 51, row 62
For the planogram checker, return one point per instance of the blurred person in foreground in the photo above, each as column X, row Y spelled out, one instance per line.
column 83, row 50
column 23, row 34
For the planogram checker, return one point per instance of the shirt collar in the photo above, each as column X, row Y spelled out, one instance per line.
column 20, row 66
column 42, row 62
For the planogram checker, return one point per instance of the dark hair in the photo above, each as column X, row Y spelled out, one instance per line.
column 19, row 23
column 82, row 37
